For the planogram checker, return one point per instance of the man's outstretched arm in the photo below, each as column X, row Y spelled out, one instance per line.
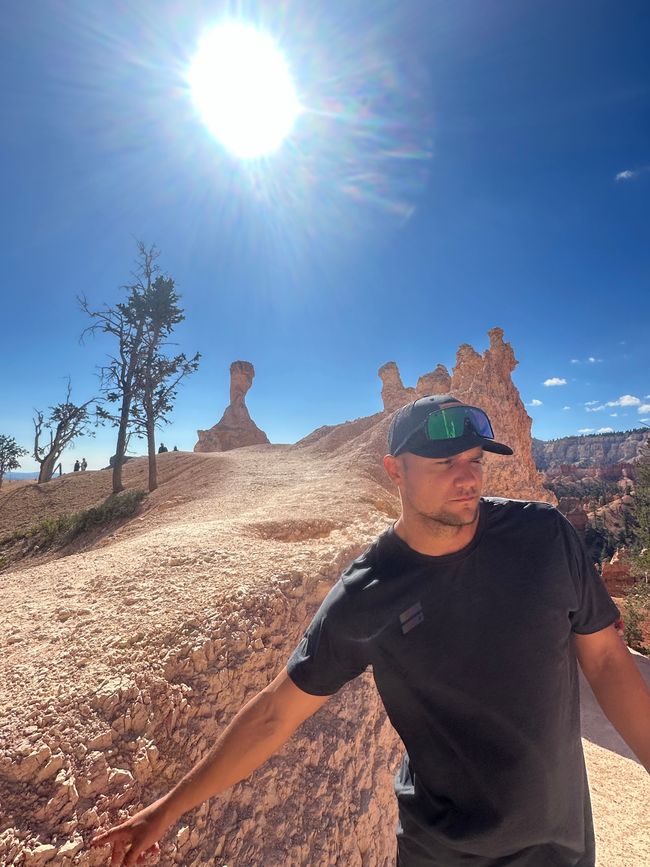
column 260, row 728
column 619, row 688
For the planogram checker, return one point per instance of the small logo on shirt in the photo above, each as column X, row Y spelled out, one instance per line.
column 411, row 618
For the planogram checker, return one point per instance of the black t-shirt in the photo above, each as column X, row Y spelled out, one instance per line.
column 473, row 657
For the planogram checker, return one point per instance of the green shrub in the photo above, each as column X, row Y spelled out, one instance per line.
column 62, row 529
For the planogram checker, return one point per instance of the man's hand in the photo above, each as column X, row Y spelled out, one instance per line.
column 136, row 838
column 256, row 733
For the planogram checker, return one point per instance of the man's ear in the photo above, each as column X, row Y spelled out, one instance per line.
column 393, row 467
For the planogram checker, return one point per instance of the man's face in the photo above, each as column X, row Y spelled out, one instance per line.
column 445, row 490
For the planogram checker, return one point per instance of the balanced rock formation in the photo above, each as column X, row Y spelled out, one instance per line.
column 486, row 381
column 236, row 428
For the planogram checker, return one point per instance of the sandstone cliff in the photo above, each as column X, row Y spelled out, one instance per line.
column 486, row 381
column 594, row 450
column 235, row 428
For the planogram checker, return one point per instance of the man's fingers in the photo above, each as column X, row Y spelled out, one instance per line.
column 133, row 856
column 109, row 836
column 117, row 853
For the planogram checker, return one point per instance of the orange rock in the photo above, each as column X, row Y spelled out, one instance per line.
column 236, row 428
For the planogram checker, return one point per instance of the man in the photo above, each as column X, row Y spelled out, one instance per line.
column 471, row 613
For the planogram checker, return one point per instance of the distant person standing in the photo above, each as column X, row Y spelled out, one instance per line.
column 162, row 448
column 77, row 466
column 84, row 465
column 175, row 449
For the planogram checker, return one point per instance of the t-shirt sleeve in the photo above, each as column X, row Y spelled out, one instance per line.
column 595, row 608
column 330, row 653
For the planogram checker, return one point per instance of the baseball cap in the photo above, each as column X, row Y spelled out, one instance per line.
column 439, row 426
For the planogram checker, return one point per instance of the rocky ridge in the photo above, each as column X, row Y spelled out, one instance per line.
column 595, row 450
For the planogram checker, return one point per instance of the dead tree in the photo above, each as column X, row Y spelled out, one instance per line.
column 67, row 421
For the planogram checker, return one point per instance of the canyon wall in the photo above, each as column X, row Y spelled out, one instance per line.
column 594, row 450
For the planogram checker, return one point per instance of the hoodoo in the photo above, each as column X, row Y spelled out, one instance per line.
column 236, row 428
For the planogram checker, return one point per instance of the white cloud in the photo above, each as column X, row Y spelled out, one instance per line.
column 586, row 430
column 593, row 360
column 645, row 407
column 534, row 402
column 626, row 175
column 575, row 361
column 646, row 396
column 605, row 430
column 613, row 415
column 566, row 407
column 624, row 400
column 555, row 380
column 644, row 420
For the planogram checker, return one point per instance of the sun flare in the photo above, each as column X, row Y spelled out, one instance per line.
column 242, row 87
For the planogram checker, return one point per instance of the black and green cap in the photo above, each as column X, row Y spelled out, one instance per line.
column 439, row 426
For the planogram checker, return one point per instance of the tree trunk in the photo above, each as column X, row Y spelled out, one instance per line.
column 47, row 467
column 151, row 449
column 120, row 447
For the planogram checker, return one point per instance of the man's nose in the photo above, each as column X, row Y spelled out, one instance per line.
column 464, row 475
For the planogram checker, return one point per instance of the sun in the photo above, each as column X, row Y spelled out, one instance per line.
column 242, row 87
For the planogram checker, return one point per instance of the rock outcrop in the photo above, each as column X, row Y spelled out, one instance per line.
column 574, row 511
column 593, row 450
column 486, row 381
column 394, row 394
column 236, row 428
column 616, row 573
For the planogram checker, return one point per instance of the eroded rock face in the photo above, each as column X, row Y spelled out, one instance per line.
column 486, row 381
column 594, row 450
column 436, row 382
column 236, row 428
column 616, row 573
column 394, row 394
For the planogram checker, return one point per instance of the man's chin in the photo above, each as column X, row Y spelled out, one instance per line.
column 467, row 514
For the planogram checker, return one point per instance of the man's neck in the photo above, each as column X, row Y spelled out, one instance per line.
column 433, row 538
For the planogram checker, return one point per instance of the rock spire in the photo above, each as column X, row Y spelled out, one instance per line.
column 486, row 381
column 236, row 428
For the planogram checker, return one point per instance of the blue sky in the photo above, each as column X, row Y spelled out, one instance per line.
column 458, row 165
